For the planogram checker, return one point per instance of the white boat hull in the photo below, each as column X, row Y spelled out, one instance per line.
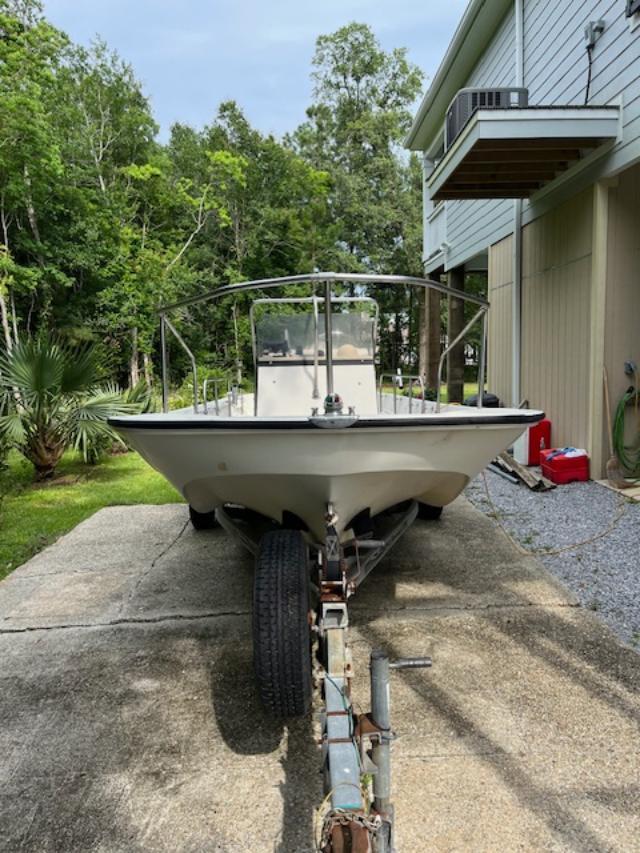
column 277, row 465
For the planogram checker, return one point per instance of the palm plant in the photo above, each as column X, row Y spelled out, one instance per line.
column 52, row 401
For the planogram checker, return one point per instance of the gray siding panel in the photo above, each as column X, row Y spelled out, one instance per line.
column 555, row 53
column 472, row 224
column 555, row 72
column 563, row 81
column 472, row 230
column 497, row 66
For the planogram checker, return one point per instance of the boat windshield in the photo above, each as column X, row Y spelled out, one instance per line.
column 294, row 337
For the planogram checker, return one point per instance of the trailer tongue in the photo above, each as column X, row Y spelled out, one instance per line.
column 359, row 816
column 356, row 813
column 367, row 824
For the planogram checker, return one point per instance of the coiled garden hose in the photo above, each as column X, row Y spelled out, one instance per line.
column 628, row 454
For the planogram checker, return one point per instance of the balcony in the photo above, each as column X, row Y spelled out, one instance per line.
column 513, row 151
column 435, row 233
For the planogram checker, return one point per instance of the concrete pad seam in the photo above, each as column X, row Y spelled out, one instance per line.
column 584, row 742
column 400, row 759
column 181, row 617
column 65, row 571
column 471, row 608
column 142, row 620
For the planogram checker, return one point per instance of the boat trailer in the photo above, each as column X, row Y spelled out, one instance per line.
column 356, row 815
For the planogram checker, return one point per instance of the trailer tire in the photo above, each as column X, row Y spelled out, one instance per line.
column 203, row 520
column 429, row 513
column 281, row 631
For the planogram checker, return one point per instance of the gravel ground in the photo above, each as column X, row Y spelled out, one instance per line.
column 603, row 574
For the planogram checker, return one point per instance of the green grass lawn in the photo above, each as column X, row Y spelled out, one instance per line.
column 469, row 389
column 34, row 515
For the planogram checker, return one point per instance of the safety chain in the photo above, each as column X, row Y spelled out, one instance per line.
column 344, row 818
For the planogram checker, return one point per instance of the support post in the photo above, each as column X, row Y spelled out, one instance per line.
column 429, row 314
column 597, row 443
column 381, row 753
column 429, row 336
column 516, row 305
column 516, row 302
column 482, row 358
column 455, row 324
column 328, row 334
column 433, row 343
column 165, row 366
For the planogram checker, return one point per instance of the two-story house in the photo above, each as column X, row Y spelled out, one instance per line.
column 530, row 134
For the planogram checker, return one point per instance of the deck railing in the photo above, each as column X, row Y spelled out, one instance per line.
column 435, row 232
column 397, row 382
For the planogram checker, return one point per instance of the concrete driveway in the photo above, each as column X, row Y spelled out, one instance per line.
column 129, row 721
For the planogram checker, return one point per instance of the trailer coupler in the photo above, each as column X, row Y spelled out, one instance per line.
column 360, row 817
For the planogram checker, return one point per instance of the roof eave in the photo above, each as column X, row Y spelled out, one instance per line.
column 476, row 28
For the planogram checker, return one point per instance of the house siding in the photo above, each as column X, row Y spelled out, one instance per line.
column 471, row 225
column 616, row 61
column 622, row 314
column 556, row 288
column 555, row 72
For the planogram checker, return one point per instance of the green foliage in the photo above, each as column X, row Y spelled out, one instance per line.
column 51, row 402
column 354, row 128
column 100, row 224
column 360, row 114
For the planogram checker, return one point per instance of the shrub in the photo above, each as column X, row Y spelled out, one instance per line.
column 52, row 401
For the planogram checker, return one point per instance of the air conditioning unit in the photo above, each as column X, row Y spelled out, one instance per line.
column 467, row 101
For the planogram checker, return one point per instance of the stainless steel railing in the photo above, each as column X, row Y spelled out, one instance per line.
column 164, row 325
column 233, row 396
column 481, row 314
column 326, row 278
column 395, row 382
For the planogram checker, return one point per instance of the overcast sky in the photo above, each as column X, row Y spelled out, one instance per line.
column 192, row 54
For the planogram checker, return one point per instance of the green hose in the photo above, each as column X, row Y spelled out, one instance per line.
column 629, row 455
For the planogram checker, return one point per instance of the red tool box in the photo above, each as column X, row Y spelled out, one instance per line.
column 564, row 466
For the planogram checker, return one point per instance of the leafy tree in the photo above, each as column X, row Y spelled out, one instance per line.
column 354, row 128
column 170, row 215
column 108, row 118
column 100, row 223
column 30, row 160
column 278, row 224
column 361, row 111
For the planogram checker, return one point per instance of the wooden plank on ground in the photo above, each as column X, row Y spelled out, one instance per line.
column 633, row 492
column 534, row 481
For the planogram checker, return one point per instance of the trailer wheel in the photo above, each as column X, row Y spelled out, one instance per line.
column 429, row 513
column 203, row 520
column 281, row 632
